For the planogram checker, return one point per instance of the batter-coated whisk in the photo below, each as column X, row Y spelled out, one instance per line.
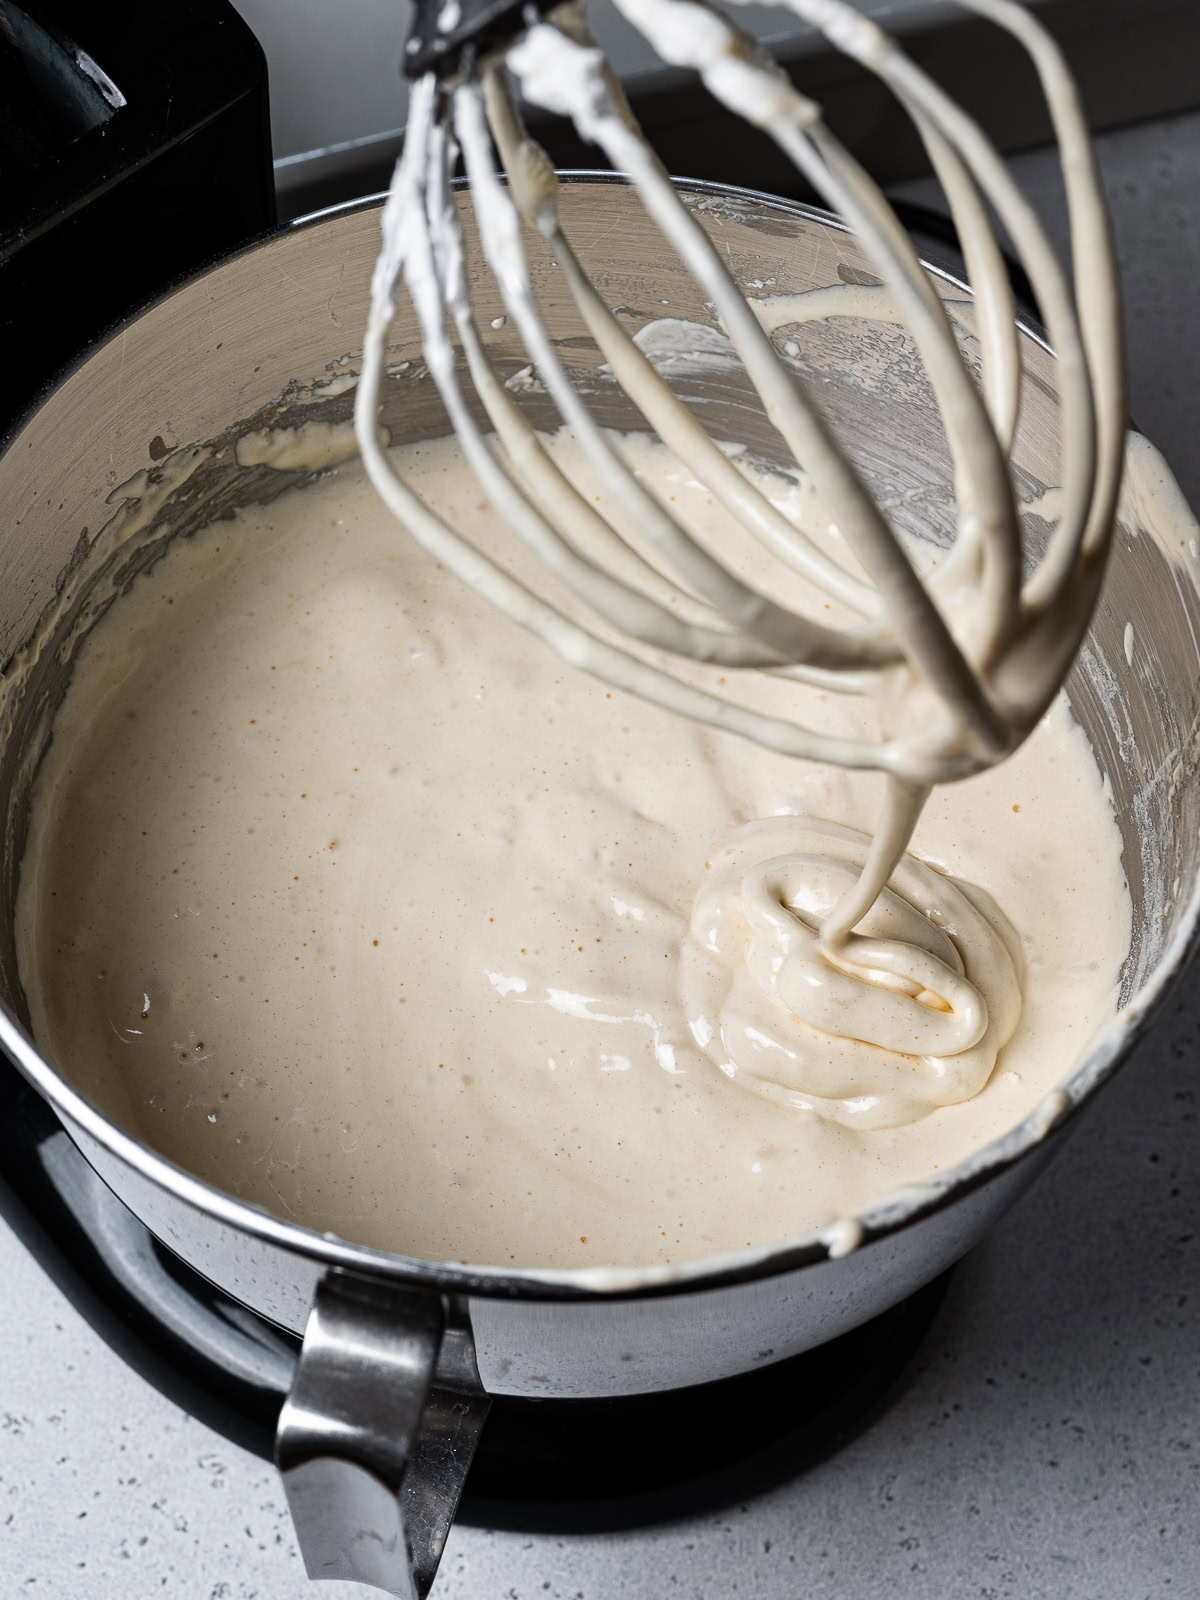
column 962, row 663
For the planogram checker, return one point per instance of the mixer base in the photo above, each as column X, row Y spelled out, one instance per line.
column 592, row 1466
column 541, row 1465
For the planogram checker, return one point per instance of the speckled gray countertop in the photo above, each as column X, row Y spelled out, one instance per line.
column 1048, row 1443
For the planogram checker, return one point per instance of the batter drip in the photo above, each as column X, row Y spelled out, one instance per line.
column 798, row 1023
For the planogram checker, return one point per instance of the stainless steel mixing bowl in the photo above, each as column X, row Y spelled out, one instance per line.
column 400, row 1355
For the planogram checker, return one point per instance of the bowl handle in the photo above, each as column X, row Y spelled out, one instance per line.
column 377, row 1434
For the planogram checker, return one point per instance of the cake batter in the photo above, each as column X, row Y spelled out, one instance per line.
column 350, row 897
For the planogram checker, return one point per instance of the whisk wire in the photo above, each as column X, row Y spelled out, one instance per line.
column 565, row 76
column 793, row 636
column 534, row 188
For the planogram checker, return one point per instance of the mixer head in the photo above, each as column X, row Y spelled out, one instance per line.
column 962, row 662
column 443, row 29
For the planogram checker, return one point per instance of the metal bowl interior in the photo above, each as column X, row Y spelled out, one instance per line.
column 264, row 340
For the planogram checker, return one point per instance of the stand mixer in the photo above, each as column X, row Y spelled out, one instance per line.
column 591, row 1340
